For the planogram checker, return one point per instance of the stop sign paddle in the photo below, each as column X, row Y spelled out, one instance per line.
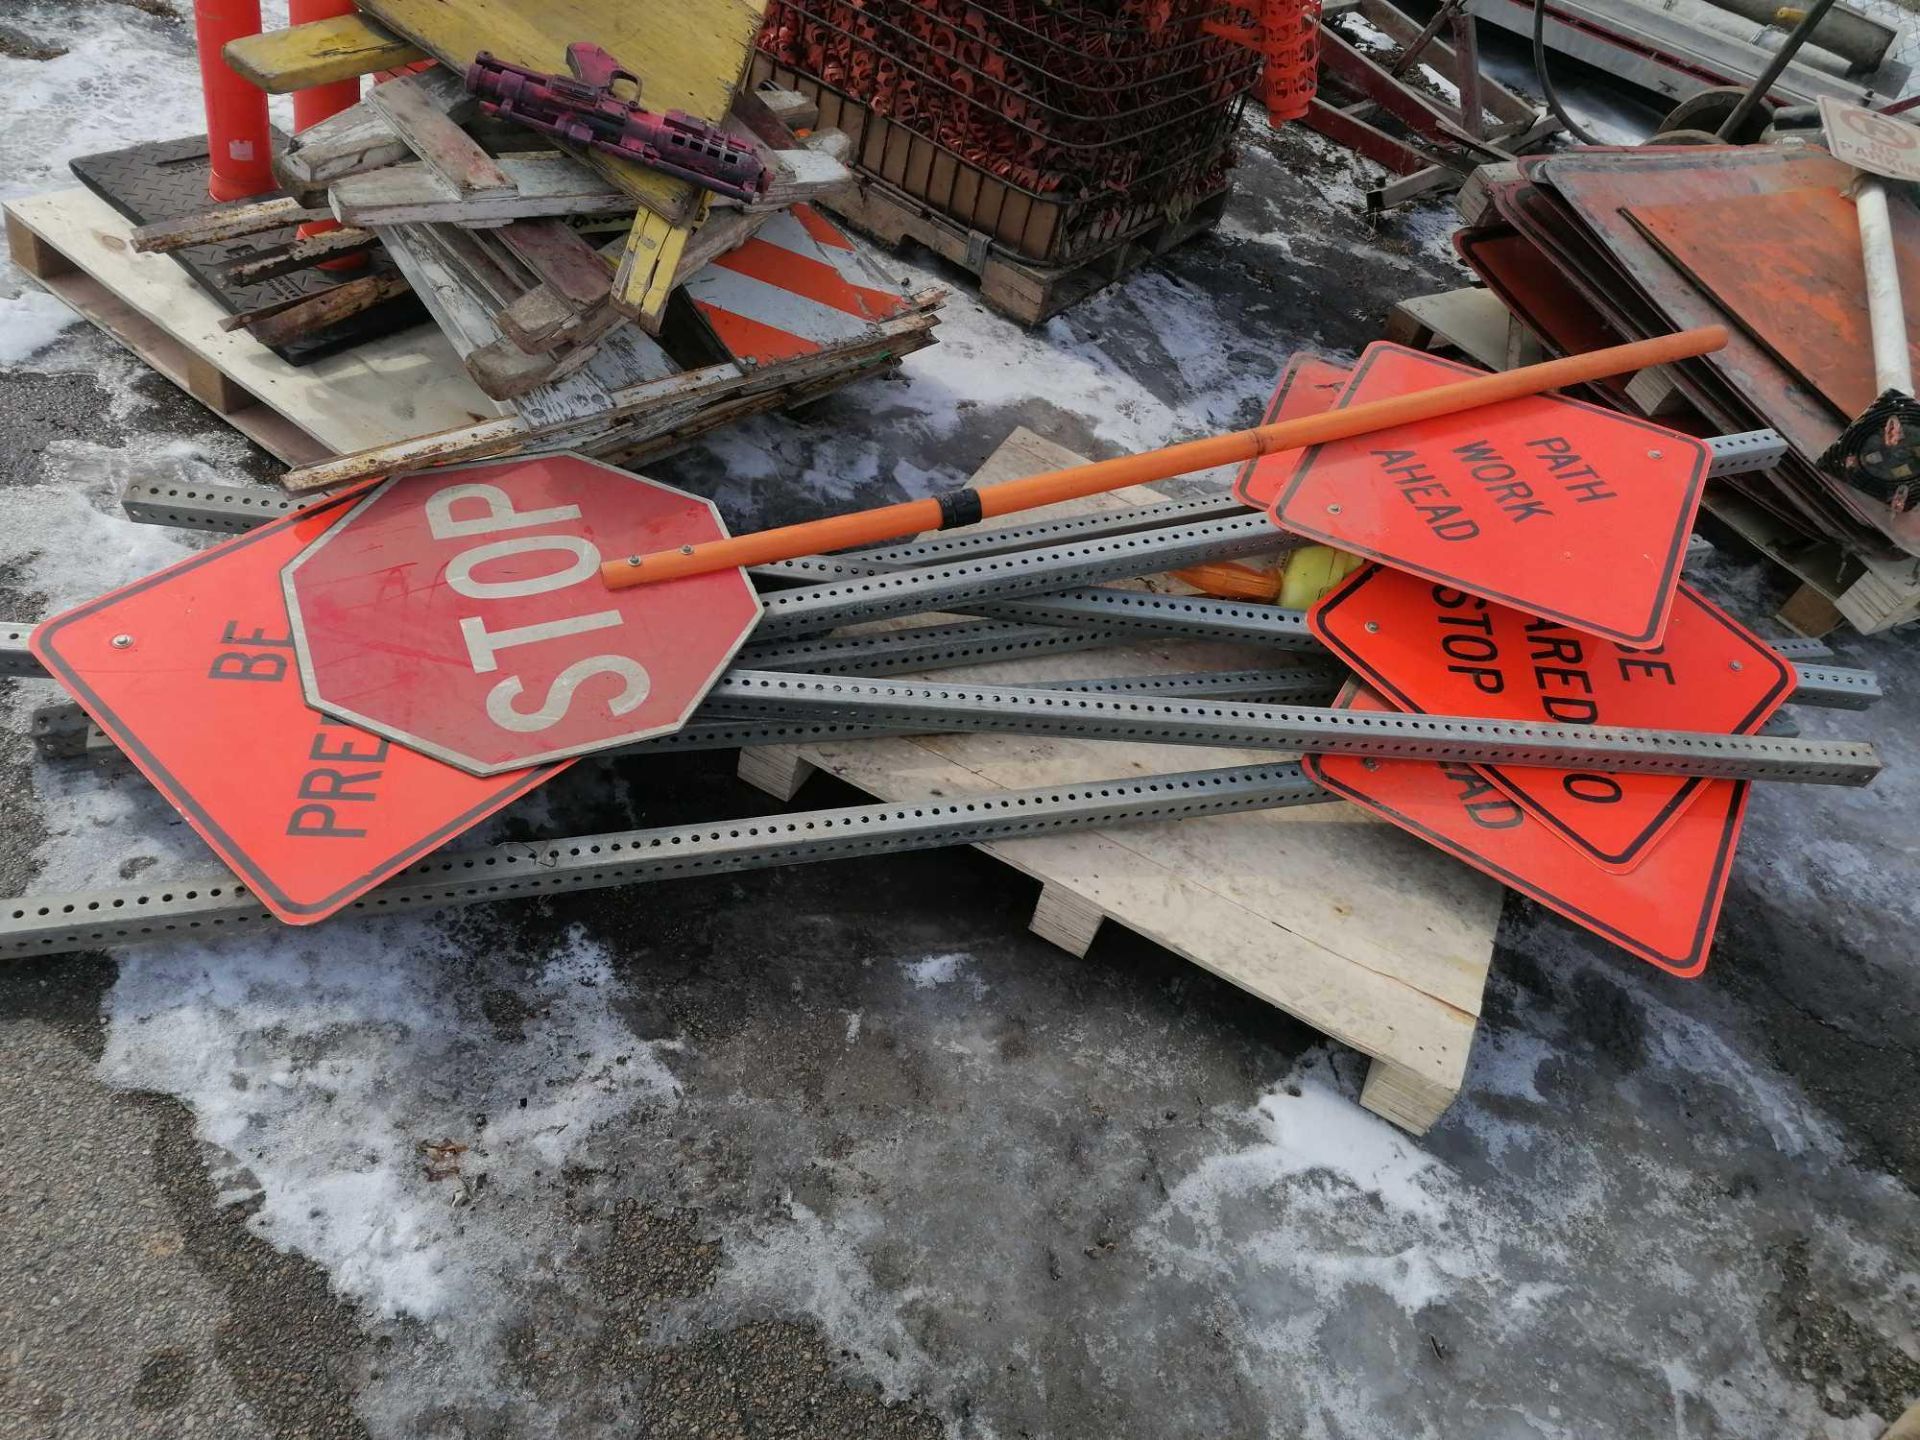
column 460, row 613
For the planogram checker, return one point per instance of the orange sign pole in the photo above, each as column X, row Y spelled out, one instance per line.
column 892, row 522
column 239, row 142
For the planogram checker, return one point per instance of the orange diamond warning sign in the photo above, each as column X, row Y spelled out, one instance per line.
column 1431, row 648
column 1555, row 507
column 1664, row 911
column 192, row 672
column 1308, row 386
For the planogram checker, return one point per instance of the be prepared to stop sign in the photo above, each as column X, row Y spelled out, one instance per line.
column 460, row 613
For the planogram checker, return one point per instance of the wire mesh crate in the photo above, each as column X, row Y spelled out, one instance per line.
column 1053, row 126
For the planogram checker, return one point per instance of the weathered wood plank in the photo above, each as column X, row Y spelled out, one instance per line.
column 462, row 317
column 229, row 223
column 564, row 262
column 791, row 108
column 686, row 403
column 645, row 278
column 507, row 435
column 425, row 116
column 543, row 184
column 798, row 175
column 318, row 53
column 302, row 317
column 358, row 138
column 539, row 318
column 301, row 253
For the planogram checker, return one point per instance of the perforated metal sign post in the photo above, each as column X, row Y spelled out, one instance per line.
column 1552, row 506
column 1435, row 650
column 460, row 612
column 191, row 671
column 1664, row 911
column 1308, row 386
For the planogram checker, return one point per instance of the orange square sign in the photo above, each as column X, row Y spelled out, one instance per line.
column 1433, row 649
column 1665, row 911
column 192, row 672
column 1555, row 507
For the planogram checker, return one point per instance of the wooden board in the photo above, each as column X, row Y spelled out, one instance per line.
column 1474, row 322
column 688, row 56
column 318, row 53
column 1356, row 928
column 387, row 390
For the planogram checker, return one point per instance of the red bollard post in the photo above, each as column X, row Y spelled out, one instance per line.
column 312, row 105
column 317, row 102
column 239, row 143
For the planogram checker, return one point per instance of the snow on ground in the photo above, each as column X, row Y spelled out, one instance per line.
column 1507, row 1276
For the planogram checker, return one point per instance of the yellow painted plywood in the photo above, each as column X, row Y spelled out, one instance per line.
column 346, row 46
column 689, row 55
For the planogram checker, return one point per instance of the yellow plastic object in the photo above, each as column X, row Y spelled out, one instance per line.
column 1311, row 571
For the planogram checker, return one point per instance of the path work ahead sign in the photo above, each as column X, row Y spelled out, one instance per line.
column 1552, row 506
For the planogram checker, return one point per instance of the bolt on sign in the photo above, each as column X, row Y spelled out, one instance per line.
column 460, row 613
column 191, row 672
column 1308, row 386
column 1435, row 650
column 1663, row 911
column 1552, row 506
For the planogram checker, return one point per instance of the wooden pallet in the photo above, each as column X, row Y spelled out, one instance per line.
column 1342, row 920
column 386, row 390
column 1015, row 287
column 399, row 388
column 1835, row 587
column 1474, row 323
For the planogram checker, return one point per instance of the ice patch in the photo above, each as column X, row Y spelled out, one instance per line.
column 1348, row 1271
column 798, row 1262
column 391, row 1136
column 29, row 323
column 931, row 970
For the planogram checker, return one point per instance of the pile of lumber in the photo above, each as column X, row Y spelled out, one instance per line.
column 514, row 249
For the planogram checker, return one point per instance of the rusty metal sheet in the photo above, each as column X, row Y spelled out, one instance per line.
column 1795, row 490
column 1599, row 187
column 1535, row 290
column 1786, row 267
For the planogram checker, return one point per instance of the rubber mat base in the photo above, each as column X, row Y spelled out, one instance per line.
column 167, row 180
